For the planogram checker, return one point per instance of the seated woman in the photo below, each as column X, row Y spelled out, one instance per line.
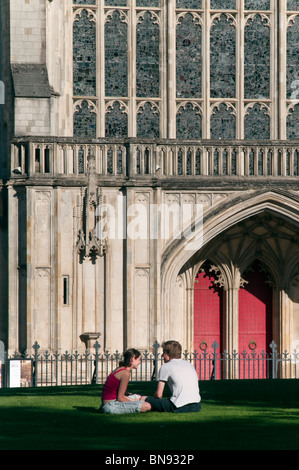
column 114, row 399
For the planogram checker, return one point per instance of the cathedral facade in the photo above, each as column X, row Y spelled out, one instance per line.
column 149, row 174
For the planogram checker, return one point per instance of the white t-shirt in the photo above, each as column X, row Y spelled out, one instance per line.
column 182, row 380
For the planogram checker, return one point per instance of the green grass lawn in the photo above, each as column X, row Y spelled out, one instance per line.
column 236, row 415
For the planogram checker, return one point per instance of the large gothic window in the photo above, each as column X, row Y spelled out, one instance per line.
column 116, row 60
column 147, row 55
column 223, row 57
column 186, row 69
column 188, row 57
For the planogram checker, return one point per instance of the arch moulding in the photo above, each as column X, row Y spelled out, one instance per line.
column 215, row 221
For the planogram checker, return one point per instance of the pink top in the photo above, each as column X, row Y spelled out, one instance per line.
column 111, row 385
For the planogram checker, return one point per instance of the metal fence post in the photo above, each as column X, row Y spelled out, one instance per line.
column 215, row 346
column 156, row 346
column 3, row 363
column 96, row 370
column 273, row 346
column 36, row 347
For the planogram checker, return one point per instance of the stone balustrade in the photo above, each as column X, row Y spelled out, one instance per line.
column 130, row 158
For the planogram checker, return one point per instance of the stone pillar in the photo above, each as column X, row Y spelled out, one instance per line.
column 231, row 327
column 13, row 323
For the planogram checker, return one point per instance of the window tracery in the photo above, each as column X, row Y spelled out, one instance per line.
column 193, row 69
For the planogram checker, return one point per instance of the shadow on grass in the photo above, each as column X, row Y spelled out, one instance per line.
column 84, row 429
column 87, row 409
column 235, row 415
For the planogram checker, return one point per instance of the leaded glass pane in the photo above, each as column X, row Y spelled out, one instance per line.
column 116, row 61
column 119, row 161
column 147, row 3
column 224, row 162
column 84, row 121
column 188, row 122
column 216, row 162
column 288, row 161
column 257, row 59
column 147, row 56
column 261, row 157
column 293, row 124
column 198, row 162
column 221, row 5
column 110, row 161
column 81, row 158
column 292, row 60
column 188, row 58
column 293, row 5
column 116, row 124
column 180, row 162
column 257, row 4
column 84, row 55
column 257, row 124
column 223, row 123
column 296, row 166
column 148, row 121
column 269, row 163
column 223, row 59
column 251, row 162
column 189, row 4
column 234, row 162
column 116, row 3
column 84, row 2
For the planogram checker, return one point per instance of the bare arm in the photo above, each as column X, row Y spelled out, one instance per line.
column 160, row 389
column 124, row 380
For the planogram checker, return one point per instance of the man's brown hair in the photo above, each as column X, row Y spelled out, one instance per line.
column 173, row 349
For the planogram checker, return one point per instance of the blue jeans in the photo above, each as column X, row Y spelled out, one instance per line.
column 121, row 407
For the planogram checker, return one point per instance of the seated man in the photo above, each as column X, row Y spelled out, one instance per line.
column 182, row 380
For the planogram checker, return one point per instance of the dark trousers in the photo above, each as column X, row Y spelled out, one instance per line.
column 166, row 405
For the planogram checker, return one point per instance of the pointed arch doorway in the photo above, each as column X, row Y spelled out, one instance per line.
column 254, row 318
column 208, row 310
column 255, row 310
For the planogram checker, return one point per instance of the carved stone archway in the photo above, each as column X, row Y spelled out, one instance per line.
column 262, row 227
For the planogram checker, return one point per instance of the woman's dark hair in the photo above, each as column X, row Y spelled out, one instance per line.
column 127, row 356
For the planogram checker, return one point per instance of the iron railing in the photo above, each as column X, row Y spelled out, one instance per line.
column 93, row 366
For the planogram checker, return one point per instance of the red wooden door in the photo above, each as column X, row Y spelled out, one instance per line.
column 207, row 319
column 255, row 321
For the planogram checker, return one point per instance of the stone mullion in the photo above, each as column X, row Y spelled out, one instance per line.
column 129, row 314
column 157, row 248
column 100, row 51
column 171, row 64
column 13, row 291
column 241, row 56
column 231, row 325
column 163, row 71
column 206, row 71
column 132, row 24
column 189, row 316
column 282, row 67
column 273, row 73
column 285, row 323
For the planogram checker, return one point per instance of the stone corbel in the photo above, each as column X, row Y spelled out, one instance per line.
column 89, row 339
